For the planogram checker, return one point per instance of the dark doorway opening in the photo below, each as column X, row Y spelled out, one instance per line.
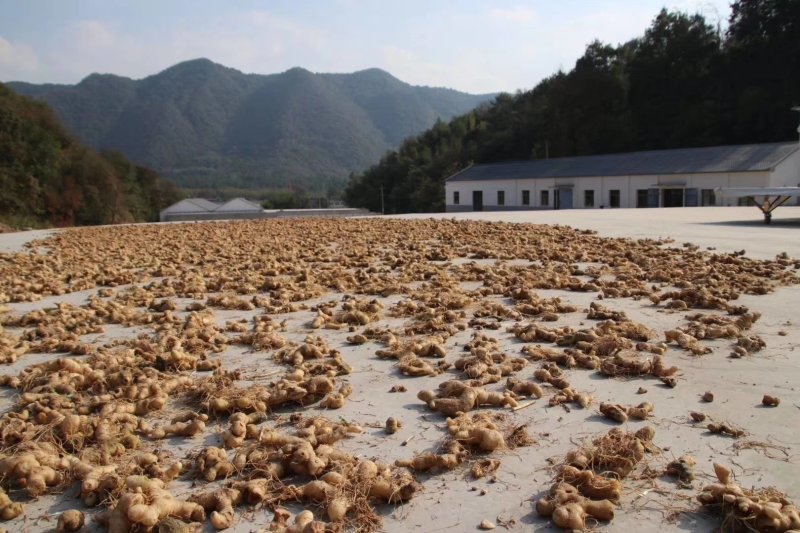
column 673, row 197
column 477, row 200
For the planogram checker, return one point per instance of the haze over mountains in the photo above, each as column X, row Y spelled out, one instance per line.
column 203, row 124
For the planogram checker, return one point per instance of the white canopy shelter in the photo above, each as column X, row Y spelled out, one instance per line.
column 767, row 199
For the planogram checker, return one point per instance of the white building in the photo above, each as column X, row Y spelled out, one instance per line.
column 660, row 178
column 240, row 208
column 202, row 209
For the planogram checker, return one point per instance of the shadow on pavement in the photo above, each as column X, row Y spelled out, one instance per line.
column 757, row 222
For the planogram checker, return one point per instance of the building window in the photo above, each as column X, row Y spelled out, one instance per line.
column 501, row 197
column 456, row 198
column 642, row 198
column 707, row 197
column 588, row 198
column 545, row 198
column 526, row 197
column 613, row 198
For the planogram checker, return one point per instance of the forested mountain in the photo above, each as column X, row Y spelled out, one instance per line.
column 682, row 84
column 204, row 124
column 49, row 178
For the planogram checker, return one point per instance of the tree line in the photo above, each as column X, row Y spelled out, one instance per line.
column 47, row 178
column 684, row 83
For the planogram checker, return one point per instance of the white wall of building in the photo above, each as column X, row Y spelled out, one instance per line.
column 603, row 185
column 511, row 190
column 748, row 179
column 787, row 173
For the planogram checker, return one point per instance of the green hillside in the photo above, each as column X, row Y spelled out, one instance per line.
column 682, row 84
column 49, row 178
column 206, row 125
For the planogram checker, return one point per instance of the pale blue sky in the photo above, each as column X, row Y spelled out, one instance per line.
column 470, row 45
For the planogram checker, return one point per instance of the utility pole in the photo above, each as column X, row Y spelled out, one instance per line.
column 382, row 211
column 795, row 108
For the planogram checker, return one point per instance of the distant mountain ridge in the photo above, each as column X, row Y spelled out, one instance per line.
column 203, row 124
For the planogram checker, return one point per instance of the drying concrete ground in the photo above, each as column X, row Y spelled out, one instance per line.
column 452, row 502
column 15, row 242
column 723, row 228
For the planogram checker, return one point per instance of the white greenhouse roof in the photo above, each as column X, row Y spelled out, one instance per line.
column 192, row 205
column 238, row 205
column 189, row 206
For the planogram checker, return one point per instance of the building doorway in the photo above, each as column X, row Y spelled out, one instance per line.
column 562, row 198
column 673, row 197
column 477, row 200
column 648, row 197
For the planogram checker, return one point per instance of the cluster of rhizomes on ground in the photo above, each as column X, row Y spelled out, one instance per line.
column 96, row 414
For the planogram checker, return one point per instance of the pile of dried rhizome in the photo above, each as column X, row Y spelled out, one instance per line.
column 129, row 400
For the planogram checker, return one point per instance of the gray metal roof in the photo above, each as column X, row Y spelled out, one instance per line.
column 741, row 158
